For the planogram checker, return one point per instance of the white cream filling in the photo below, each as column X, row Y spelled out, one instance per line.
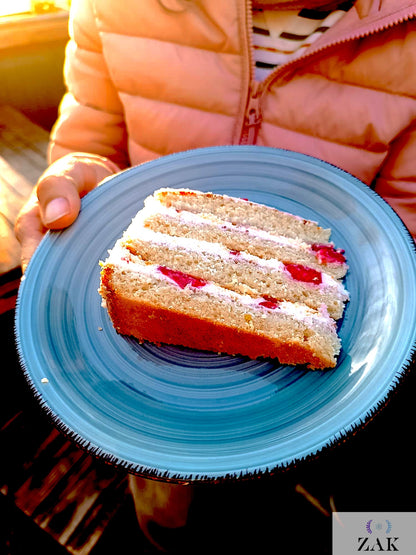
column 136, row 229
column 120, row 257
column 154, row 206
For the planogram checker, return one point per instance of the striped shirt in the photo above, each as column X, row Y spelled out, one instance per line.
column 280, row 36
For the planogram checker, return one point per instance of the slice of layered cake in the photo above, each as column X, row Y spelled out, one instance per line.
column 224, row 274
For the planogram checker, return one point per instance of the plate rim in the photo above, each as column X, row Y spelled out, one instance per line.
column 400, row 373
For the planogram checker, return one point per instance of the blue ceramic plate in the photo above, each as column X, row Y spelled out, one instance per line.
column 181, row 414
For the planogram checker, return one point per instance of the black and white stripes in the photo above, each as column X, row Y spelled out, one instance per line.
column 279, row 36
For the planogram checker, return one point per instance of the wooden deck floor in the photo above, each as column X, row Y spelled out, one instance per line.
column 50, row 490
column 23, row 147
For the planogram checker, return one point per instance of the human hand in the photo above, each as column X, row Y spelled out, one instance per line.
column 56, row 199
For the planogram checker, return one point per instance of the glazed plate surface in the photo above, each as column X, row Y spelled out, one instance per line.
column 180, row 414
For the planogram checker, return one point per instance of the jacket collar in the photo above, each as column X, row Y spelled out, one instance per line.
column 365, row 17
column 363, row 8
column 375, row 8
column 296, row 4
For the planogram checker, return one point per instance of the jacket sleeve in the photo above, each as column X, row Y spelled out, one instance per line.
column 396, row 181
column 90, row 115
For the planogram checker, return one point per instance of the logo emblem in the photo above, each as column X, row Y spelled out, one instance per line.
column 372, row 525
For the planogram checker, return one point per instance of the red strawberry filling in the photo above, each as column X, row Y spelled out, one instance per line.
column 180, row 278
column 269, row 302
column 328, row 254
column 303, row 273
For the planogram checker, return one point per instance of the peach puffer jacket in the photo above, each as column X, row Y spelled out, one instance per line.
column 150, row 77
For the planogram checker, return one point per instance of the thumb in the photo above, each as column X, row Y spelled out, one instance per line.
column 61, row 187
column 59, row 201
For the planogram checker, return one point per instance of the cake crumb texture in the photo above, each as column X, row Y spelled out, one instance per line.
column 222, row 274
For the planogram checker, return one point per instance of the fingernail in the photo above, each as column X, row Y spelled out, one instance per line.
column 55, row 209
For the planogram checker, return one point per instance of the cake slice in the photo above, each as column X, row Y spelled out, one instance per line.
column 218, row 273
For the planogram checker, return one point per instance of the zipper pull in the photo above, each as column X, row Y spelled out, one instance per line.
column 253, row 116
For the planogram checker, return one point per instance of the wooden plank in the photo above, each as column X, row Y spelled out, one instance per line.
column 9, row 291
column 23, row 148
column 64, row 490
column 22, row 126
column 21, row 30
column 14, row 191
column 23, row 144
column 17, row 128
column 9, row 247
column 25, row 160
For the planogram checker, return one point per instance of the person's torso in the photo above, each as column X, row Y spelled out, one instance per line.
column 344, row 100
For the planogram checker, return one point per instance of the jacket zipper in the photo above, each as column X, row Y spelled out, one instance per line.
column 253, row 113
column 253, row 116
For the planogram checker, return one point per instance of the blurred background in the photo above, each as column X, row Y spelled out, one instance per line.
column 33, row 35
